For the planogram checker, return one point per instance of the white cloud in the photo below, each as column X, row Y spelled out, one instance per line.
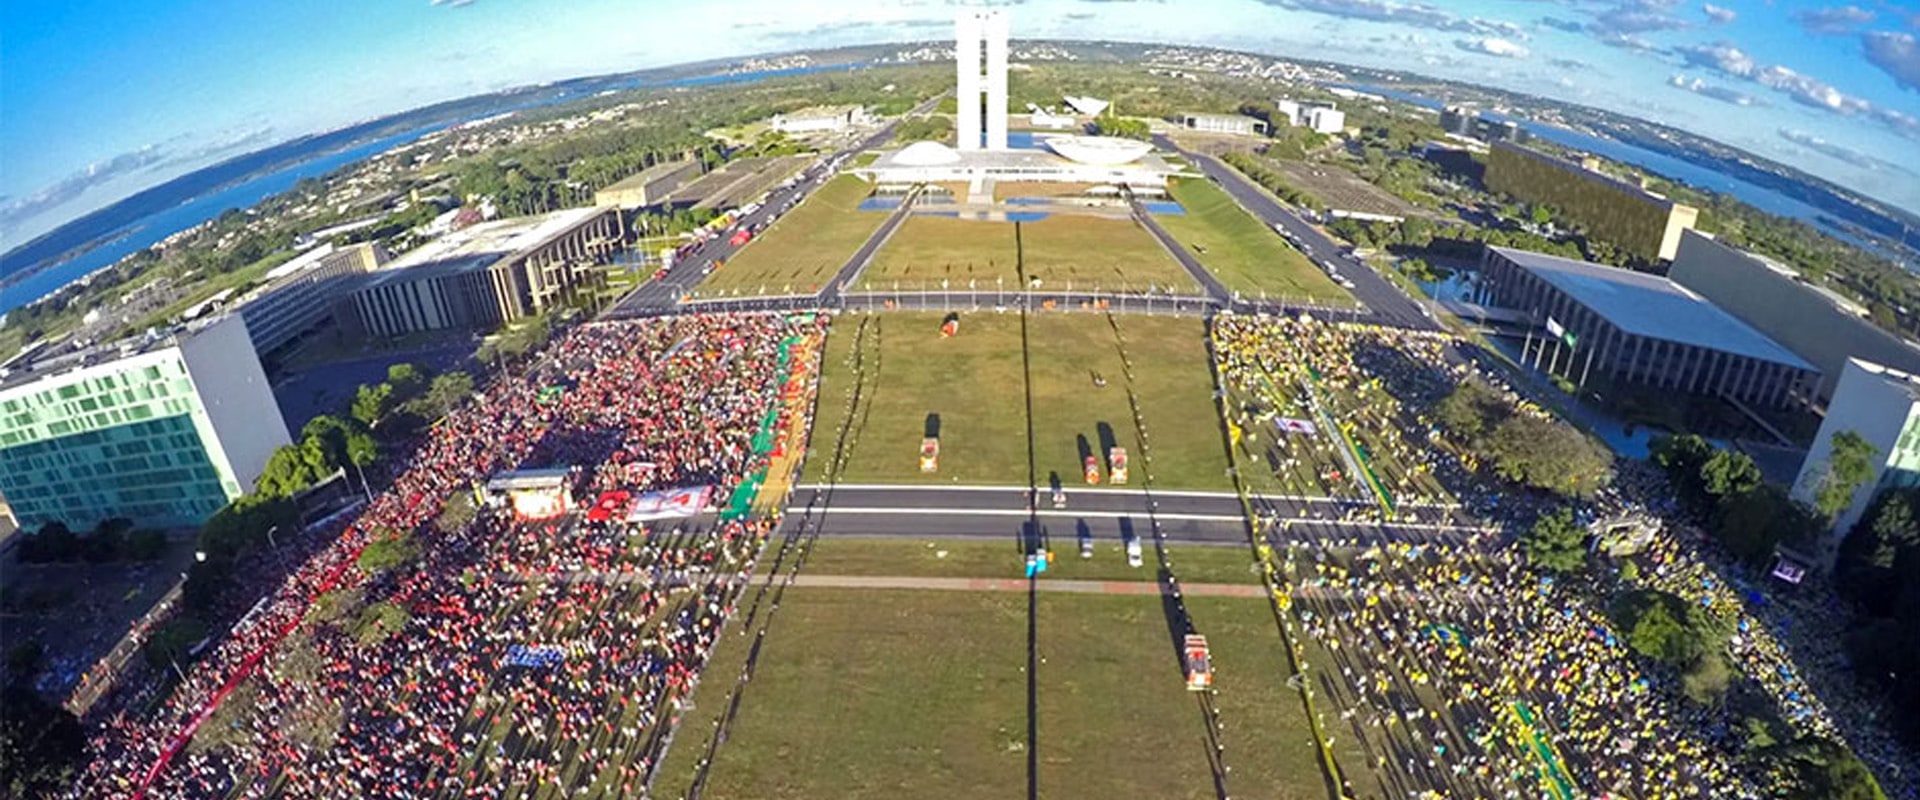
column 1493, row 46
column 1718, row 14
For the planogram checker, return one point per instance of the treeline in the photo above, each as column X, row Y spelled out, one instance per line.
column 1878, row 574
column 112, row 540
column 671, row 222
column 930, row 128
column 1112, row 124
column 1529, row 449
column 1723, row 489
column 1467, row 241
column 1275, row 181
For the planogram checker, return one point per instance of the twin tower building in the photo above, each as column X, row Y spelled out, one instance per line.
column 981, row 94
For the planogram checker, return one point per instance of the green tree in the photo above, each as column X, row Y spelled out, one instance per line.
column 1849, row 464
column 446, row 393
column 41, row 744
column 1551, row 455
column 1827, row 770
column 390, row 549
column 1727, row 473
column 1682, row 457
column 1658, row 626
column 172, row 640
column 406, row 379
column 371, row 403
column 291, row 469
column 1471, row 409
column 1752, row 525
column 1111, row 124
column 1555, row 542
column 457, row 514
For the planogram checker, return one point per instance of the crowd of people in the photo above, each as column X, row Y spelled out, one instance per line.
column 1320, row 425
column 1454, row 668
column 531, row 653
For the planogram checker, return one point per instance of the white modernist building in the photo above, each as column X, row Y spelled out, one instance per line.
column 1070, row 159
column 1320, row 117
column 981, row 95
column 1882, row 405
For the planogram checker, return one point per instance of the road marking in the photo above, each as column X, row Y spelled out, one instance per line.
column 1015, row 512
column 901, row 487
column 895, row 487
column 1077, row 586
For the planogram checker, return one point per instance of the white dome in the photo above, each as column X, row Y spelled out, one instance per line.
column 1099, row 150
column 926, row 154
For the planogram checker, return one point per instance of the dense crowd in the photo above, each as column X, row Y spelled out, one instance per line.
column 532, row 653
column 1455, row 669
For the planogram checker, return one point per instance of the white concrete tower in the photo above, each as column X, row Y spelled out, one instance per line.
column 966, row 59
column 995, row 26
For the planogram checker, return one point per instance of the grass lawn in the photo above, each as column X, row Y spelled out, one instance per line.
column 805, row 248
column 1116, row 719
column 1061, row 250
column 853, row 699
column 971, row 386
column 965, row 558
column 1267, row 739
column 1244, row 254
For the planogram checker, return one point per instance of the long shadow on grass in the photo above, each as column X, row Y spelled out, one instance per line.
column 1034, row 532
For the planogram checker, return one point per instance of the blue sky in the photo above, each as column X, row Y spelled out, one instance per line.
column 99, row 100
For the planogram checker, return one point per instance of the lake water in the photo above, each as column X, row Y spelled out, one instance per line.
column 196, row 209
column 1685, row 172
column 151, row 229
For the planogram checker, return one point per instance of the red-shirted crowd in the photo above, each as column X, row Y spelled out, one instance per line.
column 533, row 653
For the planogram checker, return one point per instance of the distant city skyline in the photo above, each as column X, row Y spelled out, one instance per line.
column 103, row 101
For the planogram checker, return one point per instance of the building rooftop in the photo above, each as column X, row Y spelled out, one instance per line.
column 648, row 175
column 1219, row 116
column 482, row 245
column 1893, row 378
column 95, row 355
column 1090, row 151
column 1652, row 306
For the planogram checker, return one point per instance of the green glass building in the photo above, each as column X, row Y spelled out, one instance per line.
column 164, row 434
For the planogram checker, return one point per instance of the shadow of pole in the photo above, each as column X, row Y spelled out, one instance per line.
column 1035, row 535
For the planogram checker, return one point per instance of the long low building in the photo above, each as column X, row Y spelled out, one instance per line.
column 1636, row 329
column 1811, row 320
column 1641, row 222
column 650, row 186
column 489, row 274
column 301, row 294
column 1064, row 159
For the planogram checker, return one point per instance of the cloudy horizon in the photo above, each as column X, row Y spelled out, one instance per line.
column 1831, row 89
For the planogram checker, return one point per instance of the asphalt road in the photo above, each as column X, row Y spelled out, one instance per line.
column 1110, row 514
column 992, row 512
column 1388, row 304
column 661, row 296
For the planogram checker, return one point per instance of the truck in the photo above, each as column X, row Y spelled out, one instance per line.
column 930, row 454
column 1199, row 663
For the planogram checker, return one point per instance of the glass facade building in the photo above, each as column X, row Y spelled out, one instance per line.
column 137, row 437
